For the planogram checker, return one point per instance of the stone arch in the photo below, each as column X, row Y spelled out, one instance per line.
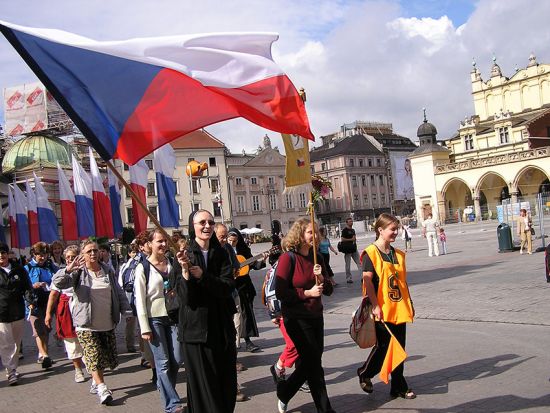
column 490, row 190
column 457, row 196
column 529, row 180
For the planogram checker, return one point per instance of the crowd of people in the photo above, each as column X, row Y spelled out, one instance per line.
column 190, row 301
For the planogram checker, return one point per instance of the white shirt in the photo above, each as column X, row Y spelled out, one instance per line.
column 150, row 298
column 430, row 225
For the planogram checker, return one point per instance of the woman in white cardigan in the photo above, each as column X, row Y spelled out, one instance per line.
column 156, row 328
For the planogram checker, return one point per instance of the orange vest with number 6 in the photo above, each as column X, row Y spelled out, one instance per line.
column 393, row 292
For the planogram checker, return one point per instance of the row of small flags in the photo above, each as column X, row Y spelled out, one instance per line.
column 86, row 210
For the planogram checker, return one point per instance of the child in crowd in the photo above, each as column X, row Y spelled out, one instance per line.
column 407, row 237
column 443, row 239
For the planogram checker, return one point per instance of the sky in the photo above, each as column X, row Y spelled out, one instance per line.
column 380, row 61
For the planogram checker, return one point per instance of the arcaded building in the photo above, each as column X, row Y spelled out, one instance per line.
column 499, row 155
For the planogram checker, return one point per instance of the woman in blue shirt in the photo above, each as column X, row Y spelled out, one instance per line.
column 324, row 249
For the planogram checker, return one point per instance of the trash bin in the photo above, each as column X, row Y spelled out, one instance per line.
column 504, row 236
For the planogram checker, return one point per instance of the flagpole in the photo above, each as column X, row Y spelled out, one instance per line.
column 303, row 96
column 136, row 198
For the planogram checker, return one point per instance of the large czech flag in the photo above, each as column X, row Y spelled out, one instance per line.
column 131, row 97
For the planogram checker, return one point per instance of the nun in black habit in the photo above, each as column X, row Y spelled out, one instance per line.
column 203, row 277
column 246, row 290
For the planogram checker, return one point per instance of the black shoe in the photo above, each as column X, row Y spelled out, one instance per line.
column 349, row 281
column 366, row 385
column 305, row 388
column 46, row 362
column 277, row 378
column 409, row 394
column 252, row 348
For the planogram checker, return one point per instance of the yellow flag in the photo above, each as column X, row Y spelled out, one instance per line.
column 298, row 167
column 394, row 357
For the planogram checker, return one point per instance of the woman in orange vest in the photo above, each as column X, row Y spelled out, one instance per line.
column 385, row 283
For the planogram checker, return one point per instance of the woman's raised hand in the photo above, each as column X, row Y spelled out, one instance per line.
column 183, row 260
column 76, row 264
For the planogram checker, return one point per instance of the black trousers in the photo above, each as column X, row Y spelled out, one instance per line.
column 308, row 337
column 326, row 257
column 374, row 362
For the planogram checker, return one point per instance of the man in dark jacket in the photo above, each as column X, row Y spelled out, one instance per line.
column 15, row 288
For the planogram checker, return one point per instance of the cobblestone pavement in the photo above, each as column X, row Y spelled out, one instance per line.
column 479, row 343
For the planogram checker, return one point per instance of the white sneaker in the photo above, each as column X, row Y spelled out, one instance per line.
column 79, row 376
column 281, row 406
column 105, row 396
column 521, row 252
column 93, row 387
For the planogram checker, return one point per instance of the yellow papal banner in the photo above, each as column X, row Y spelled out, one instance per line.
column 298, row 167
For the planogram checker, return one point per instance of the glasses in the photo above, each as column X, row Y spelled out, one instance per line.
column 3, row 252
column 203, row 222
column 92, row 251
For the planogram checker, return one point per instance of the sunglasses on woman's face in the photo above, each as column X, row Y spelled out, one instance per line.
column 203, row 222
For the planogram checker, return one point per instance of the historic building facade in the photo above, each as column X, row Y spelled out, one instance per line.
column 502, row 152
column 256, row 184
column 369, row 169
column 209, row 192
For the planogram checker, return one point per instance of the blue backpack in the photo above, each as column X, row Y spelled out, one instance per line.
column 270, row 299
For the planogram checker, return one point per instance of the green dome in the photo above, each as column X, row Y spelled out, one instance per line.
column 34, row 152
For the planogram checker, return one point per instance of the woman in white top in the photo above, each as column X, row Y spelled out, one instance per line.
column 156, row 328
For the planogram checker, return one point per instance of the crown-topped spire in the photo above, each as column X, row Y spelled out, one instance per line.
column 532, row 60
column 495, row 71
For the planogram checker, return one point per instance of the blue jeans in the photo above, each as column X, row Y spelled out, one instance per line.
column 168, row 355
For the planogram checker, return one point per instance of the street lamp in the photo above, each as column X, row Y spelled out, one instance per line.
column 270, row 190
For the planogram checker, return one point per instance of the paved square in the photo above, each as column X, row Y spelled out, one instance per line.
column 480, row 343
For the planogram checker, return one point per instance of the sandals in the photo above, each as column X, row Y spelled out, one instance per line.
column 409, row 394
column 366, row 385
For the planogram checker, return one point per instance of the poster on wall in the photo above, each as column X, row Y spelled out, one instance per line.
column 402, row 176
column 25, row 108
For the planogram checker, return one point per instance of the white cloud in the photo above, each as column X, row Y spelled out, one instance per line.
column 437, row 32
column 357, row 60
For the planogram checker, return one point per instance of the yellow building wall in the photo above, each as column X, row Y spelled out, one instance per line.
column 528, row 88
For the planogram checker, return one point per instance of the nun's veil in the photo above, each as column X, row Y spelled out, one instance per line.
column 242, row 247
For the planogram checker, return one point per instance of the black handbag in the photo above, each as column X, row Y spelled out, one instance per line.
column 172, row 303
column 347, row 247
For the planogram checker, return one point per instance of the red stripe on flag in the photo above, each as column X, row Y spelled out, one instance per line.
column 34, row 231
column 14, row 241
column 175, row 104
column 102, row 215
column 140, row 216
column 68, row 219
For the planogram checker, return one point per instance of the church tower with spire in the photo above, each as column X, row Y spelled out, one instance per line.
column 423, row 160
